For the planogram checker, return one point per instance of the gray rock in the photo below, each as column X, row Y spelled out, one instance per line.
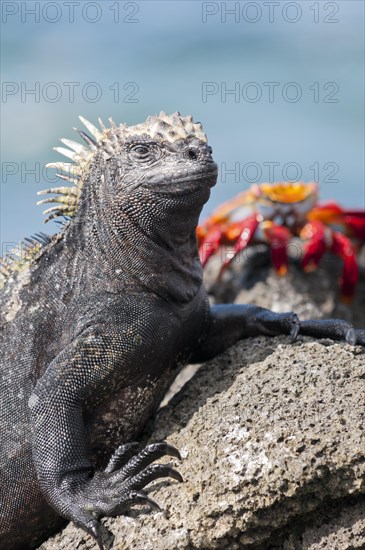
column 272, row 439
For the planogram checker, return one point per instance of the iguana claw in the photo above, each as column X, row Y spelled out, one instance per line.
column 351, row 336
column 101, row 534
column 294, row 331
column 141, row 498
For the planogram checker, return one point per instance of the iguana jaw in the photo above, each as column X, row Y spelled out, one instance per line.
column 198, row 184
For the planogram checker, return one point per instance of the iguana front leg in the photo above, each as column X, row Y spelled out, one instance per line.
column 229, row 323
column 74, row 383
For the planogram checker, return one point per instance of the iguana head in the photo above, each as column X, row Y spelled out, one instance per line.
column 143, row 185
column 166, row 157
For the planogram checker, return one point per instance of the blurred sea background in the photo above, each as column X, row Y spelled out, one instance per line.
column 295, row 70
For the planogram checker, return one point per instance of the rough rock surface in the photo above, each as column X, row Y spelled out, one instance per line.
column 272, row 439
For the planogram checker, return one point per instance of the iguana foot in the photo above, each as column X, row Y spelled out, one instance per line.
column 336, row 329
column 265, row 321
column 111, row 492
column 269, row 322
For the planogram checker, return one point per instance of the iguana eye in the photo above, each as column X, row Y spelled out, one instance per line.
column 141, row 150
column 144, row 152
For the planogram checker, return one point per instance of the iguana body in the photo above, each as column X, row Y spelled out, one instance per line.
column 98, row 323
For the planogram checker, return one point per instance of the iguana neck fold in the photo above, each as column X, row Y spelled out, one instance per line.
column 136, row 248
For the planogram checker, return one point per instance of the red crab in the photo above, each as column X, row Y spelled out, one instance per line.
column 276, row 213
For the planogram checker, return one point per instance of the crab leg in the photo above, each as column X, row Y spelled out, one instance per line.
column 210, row 243
column 218, row 228
column 342, row 246
column 315, row 246
column 241, row 233
column 278, row 238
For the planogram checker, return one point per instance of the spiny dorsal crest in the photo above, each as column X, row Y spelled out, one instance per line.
column 162, row 127
column 22, row 255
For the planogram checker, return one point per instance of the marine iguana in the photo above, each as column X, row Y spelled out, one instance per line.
column 99, row 319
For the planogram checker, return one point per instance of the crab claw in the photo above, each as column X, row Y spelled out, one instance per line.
column 233, row 209
column 342, row 246
column 201, row 232
column 241, row 234
column 278, row 238
column 219, row 228
column 349, row 222
column 210, row 243
column 315, row 246
column 326, row 212
column 355, row 225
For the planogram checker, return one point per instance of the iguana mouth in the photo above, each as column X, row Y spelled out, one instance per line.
column 208, row 176
column 176, row 186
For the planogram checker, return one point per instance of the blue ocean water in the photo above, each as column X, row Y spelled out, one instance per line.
column 278, row 86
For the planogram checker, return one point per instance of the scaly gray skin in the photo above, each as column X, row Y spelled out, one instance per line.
column 98, row 325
